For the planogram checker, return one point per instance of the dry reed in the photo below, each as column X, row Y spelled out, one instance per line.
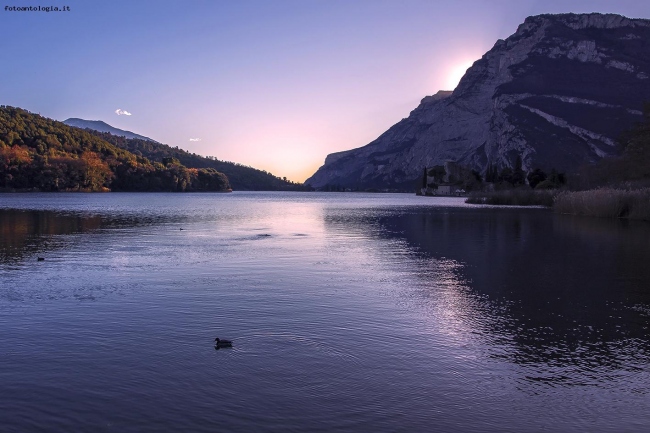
column 606, row 203
column 514, row 197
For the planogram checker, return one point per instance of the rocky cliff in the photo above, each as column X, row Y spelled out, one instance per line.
column 558, row 93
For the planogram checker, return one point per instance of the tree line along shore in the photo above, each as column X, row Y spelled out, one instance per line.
column 615, row 187
column 41, row 154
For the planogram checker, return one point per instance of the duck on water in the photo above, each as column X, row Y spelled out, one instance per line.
column 219, row 343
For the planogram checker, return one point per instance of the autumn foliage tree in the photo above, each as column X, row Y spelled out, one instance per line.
column 37, row 153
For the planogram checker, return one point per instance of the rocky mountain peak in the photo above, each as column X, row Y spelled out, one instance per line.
column 557, row 93
column 442, row 94
column 584, row 21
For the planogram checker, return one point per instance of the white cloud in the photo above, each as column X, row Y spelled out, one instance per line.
column 119, row 112
column 195, row 139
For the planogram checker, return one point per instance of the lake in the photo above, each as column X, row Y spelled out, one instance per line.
column 349, row 312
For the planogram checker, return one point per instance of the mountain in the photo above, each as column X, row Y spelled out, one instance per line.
column 37, row 153
column 241, row 177
column 98, row 125
column 557, row 93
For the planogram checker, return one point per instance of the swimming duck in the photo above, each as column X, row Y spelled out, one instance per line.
column 218, row 343
column 41, row 259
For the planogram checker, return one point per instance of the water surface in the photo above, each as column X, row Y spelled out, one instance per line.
column 349, row 312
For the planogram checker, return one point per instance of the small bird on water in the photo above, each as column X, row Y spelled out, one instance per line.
column 41, row 259
column 218, row 343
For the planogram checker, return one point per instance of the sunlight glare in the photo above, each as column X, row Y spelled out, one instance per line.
column 456, row 73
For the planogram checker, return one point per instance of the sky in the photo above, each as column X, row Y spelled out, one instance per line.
column 274, row 84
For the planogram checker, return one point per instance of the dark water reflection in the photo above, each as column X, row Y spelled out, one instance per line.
column 569, row 294
column 25, row 233
column 349, row 312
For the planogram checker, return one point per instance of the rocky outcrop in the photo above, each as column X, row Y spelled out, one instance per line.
column 557, row 93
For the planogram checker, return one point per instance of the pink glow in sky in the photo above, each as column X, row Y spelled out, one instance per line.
column 275, row 84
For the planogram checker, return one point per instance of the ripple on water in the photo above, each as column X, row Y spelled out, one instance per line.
column 358, row 313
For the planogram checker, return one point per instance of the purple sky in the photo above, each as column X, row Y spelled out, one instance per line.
column 275, row 84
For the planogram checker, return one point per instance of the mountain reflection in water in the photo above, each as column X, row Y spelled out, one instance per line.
column 557, row 292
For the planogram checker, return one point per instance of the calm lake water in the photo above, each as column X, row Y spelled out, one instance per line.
column 349, row 312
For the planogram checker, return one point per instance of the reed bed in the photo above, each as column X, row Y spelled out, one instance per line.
column 606, row 203
column 514, row 197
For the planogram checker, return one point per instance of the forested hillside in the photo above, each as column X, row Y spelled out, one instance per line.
column 241, row 177
column 37, row 153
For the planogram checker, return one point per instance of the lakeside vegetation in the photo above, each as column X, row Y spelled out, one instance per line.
column 615, row 187
column 41, row 154
column 605, row 203
column 514, row 197
column 631, row 204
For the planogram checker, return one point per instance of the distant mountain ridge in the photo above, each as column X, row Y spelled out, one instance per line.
column 557, row 94
column 240, row 177
column 98, row 125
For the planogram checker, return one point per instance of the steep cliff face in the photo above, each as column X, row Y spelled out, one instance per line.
column 558, row 93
